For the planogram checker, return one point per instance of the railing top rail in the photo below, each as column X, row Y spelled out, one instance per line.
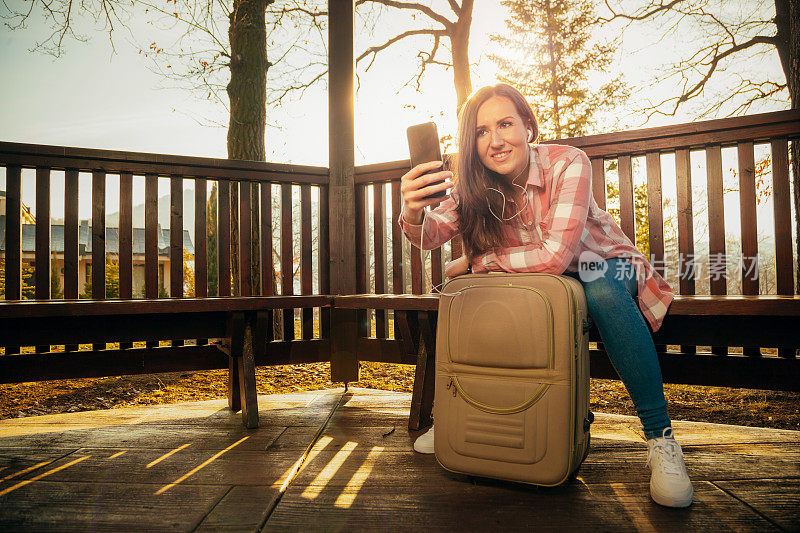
column 113, row 161
column 726, row 131
column 750, row 128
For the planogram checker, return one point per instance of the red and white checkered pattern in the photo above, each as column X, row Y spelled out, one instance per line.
column 561, row 220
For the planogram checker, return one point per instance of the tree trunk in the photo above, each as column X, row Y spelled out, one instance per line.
column 459, row 41
column 787, row 20
column 554, row 90
column 247, row 94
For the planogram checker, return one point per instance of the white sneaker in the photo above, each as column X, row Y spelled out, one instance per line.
column 669, row 483
column 424, row 443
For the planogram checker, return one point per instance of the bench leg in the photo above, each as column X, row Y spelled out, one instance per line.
column 247, row 380
column 425, row 374
column 236, row 342
column 241, row 368
column 344, row 345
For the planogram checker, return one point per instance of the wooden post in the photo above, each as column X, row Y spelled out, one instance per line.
column 341, row 230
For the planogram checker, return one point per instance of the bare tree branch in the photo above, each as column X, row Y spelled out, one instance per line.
column 642, row 13
column 455, row 7
column 375, row 49
column 712, row 66
column 409, row 5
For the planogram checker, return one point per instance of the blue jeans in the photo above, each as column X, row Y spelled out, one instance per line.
column 627, row 341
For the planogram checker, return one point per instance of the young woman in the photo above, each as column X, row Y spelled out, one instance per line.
column 526, row 207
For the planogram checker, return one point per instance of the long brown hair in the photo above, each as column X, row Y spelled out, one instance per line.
column 480, row 230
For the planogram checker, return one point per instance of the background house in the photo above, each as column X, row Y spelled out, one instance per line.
column 85, row 248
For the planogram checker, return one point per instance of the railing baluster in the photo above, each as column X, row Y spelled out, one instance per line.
column 42, row 257
column 13, row 273
column 655, row 217
column 176, row 237
column 267, row 266
column 716, row 229
column 42, row 246
column 397, row 241
column 379, row 240
column 245, row 238
column 125, row 240
column 99, row 240
column 749, row 226
column 599, row 182
column 324, row 259
column 416, row 268
column 306, row 281
column 361, row 256
column 200, row 239
column 784, row 268
column 151, row 241
column 686, row 266
column 224, row 237
column 125, row 236
column 655, row 214
column 200, row 243
column 436, row 263
column 71, row 240
column 626, row 212
column 287, row 258
column 176, row 241
column 267, row 283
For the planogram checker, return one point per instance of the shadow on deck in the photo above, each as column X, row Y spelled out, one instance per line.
column 192, row 466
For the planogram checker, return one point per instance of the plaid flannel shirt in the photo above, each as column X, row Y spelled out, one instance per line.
column 560, row 221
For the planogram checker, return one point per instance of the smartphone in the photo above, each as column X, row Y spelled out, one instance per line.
column 423, row 145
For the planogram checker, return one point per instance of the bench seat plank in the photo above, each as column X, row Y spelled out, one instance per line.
column 59, row 308
column 761, row 305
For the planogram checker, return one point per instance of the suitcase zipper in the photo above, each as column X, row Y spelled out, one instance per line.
column 458, row 389
column 542, row 295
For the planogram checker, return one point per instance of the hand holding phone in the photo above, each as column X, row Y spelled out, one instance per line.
column 425, row 184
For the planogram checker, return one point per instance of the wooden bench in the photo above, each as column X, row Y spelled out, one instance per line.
column 241, row 327
column 719, row 321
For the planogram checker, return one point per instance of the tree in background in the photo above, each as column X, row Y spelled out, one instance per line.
column 28, row 289
column 112, row 280
column 550, row 56
column 188, row 274
column 722, row 34
column 437, row 25
column 55, row 280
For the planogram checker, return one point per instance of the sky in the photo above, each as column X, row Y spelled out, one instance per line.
column 97, row 97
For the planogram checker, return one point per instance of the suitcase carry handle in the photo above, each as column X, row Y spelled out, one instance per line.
column 457, row 388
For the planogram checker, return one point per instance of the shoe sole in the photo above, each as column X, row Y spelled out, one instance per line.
column 672, row 502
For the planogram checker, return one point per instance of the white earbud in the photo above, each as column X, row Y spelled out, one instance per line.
column 530, row 136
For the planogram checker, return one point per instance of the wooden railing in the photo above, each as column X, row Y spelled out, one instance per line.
column 688, row 148
column 385, row 261
column 293, row 186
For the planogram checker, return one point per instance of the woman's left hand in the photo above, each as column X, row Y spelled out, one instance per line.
column 456, row 267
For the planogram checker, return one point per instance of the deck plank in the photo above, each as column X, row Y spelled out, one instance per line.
column 360, row 473
column 776, row 499
column 106, row 506
column 242, row 509
column 411, row 503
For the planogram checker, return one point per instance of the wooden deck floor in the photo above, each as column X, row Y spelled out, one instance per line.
column 192, row 466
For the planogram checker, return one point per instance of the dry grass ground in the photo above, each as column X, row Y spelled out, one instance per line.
column 708, row 404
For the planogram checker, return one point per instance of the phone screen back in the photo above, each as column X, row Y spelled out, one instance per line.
column 423, row 147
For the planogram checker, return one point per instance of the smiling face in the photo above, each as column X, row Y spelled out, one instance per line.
column 502, row 138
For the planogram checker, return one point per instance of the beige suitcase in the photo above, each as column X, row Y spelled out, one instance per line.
column 512, row 377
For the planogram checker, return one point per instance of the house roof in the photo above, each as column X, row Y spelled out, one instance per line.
column 85, row 241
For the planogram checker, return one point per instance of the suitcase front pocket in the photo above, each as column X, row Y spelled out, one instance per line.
column 501, row 326
column 512, row 429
